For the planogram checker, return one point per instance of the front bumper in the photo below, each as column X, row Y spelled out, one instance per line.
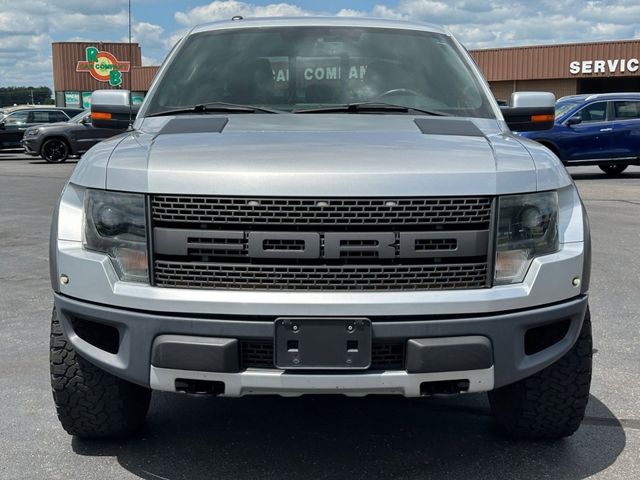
column 31, row 146
column 138, row 330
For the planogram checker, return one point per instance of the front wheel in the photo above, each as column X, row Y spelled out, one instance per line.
column 55, row 150
column 551, row 403
column 90, row 402
column 613, row 168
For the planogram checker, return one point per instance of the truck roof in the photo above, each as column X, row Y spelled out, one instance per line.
column 319, row 22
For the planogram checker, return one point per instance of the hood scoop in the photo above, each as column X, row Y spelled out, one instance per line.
column 200, row 124
column 446, row 126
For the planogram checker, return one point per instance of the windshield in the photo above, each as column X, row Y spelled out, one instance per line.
column 78, row 118
column 564, row 107
column 296, row 68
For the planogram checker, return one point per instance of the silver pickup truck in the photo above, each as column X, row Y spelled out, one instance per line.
column 320, row 206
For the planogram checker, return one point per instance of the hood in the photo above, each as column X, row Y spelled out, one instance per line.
column 52, row 126
column 315, row 155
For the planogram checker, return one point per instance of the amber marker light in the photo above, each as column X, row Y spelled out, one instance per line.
column 542, row 118
column 100, row 116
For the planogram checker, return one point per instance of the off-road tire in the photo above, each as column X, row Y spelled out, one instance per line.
column 90, row 402
column 613, row 168
column 551, row 403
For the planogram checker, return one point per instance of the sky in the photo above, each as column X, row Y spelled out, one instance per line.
column 27, row 27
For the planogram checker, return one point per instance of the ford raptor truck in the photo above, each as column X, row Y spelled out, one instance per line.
column 320, row 206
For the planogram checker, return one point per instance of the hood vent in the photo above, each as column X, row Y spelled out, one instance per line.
column 200, row 124
column 454, row 126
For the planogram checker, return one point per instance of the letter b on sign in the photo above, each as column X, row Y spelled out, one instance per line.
column 115, row 78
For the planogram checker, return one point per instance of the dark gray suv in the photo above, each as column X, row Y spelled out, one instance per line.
column 14, row 124
column 57, row 142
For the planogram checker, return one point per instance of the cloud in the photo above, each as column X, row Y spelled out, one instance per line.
column 477, row 23
column 27, row 27
column 224, row 10
column 153, row 41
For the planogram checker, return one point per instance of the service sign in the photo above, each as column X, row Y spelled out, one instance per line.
column 103, row 66
column 615, row 65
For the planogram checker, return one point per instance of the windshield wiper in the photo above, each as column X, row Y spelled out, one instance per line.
column 369, row 107
column 214, row 107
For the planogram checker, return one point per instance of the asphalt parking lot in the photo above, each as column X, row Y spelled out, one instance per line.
column 314, row 437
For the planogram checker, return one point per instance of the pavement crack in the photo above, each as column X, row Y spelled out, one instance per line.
column 632, row 202
column 629, row 423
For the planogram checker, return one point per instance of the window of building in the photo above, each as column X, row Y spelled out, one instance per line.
column 72, row 99
column 137, row 98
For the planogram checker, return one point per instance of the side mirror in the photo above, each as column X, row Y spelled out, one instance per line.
column 530, row 111
column 575, row 120
column 112, row 109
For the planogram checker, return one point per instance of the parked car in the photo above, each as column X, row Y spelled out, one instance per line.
column 320, row 206
column 601, row 129
column 57, row 142
column 14, row 124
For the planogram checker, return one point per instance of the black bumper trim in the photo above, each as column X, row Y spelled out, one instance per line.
column 451, row 354
column 210, row 354
column 506, row 331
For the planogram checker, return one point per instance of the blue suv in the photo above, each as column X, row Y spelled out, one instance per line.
column 601, row 129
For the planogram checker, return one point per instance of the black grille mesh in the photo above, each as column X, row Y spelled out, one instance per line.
column 320, row 277
column 330, row 212
column 216, row 263
column 259, row 354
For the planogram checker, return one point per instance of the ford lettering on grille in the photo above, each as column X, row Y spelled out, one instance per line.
column 332, row 244
column 312, row 245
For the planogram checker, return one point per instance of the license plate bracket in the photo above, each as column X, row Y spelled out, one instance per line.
column 322, row 343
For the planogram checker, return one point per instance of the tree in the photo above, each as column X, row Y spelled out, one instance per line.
column 25, row 95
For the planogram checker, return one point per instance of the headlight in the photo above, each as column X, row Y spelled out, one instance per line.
column 114, row 223
column 527, row 228
column 31, row 132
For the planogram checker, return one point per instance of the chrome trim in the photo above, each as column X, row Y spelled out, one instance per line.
column 279, row 382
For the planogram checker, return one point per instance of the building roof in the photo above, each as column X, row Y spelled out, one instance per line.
column 555, row 61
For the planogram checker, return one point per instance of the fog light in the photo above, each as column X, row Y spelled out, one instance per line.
column 576, row 282
column 64, row 280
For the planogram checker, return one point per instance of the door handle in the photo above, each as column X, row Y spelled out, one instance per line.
column 606, row 129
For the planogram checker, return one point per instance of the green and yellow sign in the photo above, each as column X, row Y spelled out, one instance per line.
column 103, row 66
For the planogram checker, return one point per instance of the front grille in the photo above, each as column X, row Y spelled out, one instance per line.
column 170, row 210
column 429, row 244
column 259, row 354
column 256, row 354
column 320, row 277
column 304, row 244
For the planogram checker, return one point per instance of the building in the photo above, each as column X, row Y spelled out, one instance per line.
column 79, row 68
column 566, row 69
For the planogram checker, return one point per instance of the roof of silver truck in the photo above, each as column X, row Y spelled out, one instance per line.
column 320, row 22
